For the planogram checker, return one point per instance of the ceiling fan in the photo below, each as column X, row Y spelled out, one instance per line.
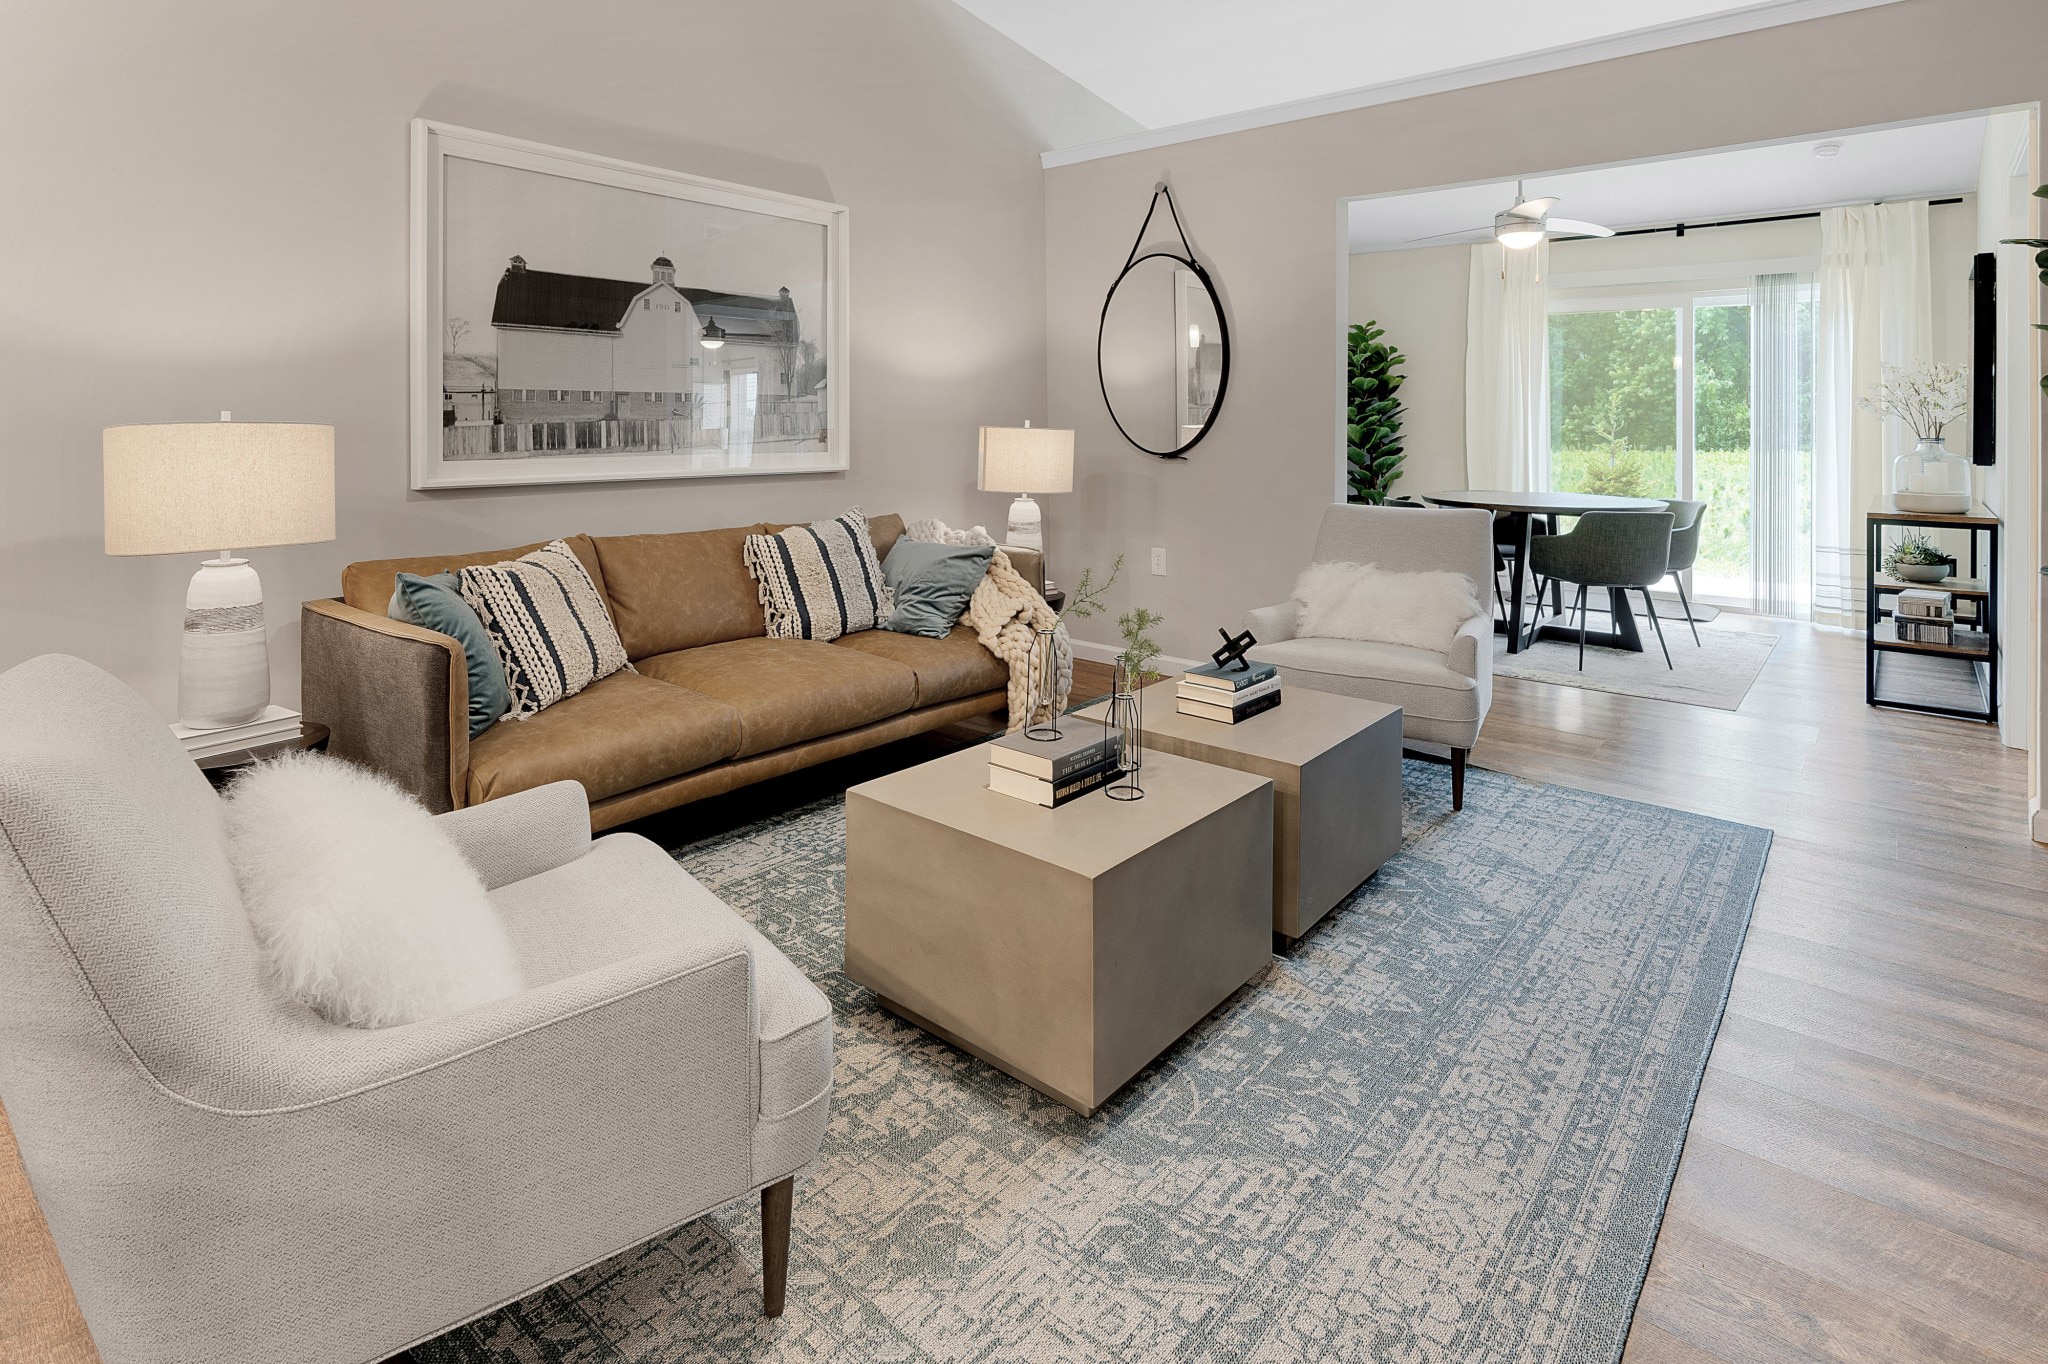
column 1528, row 222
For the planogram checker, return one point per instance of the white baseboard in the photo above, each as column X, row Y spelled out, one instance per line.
column 1107, row 653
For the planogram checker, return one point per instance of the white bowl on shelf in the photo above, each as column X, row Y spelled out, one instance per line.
column 1950, row 504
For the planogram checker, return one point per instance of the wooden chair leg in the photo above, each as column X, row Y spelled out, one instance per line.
column 1458, row 778
column 775, row 1209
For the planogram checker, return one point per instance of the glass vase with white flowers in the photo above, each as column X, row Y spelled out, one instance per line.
column 1927, row 397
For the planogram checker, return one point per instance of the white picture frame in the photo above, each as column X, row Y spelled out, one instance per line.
column 566, row 367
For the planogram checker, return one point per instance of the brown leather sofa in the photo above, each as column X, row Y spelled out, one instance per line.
column 713, row 704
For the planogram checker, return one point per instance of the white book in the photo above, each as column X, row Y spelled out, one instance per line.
column 1007, row 782
column 276, row 722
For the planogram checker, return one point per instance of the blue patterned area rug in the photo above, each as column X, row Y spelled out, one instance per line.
column 1442, row 1129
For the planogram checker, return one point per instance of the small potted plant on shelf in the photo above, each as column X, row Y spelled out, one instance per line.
column 1915, row 559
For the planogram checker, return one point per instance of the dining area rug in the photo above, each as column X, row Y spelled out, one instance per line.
column 1717, row 672
column 1441, row 1127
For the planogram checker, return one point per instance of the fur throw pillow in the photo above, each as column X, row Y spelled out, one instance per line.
column 1366, row 602
column 934, row 531
column 366, row 911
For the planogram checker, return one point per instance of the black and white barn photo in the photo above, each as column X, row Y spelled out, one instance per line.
column 579, row 319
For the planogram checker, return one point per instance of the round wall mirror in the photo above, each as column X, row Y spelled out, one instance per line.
column 1163, row 353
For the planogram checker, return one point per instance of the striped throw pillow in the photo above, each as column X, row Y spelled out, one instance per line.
column 820, row 581
column 549, row 624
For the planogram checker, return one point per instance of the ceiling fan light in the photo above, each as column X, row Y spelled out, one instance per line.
column 1517, row 234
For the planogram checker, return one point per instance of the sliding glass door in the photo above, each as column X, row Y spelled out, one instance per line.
column 1651, row 397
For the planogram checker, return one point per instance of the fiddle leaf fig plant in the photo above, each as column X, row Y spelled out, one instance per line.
column 1372, row 429
column 2040, row 245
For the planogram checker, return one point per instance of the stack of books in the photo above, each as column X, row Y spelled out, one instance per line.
column 1230, row 695
column 1051, row 772
column 275, row 723
column 1923, row 615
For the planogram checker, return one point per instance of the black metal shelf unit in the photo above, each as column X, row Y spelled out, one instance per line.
column 1976, row 591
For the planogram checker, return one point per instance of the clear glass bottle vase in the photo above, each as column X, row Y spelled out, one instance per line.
column 1127, row 716
column 1931, row 478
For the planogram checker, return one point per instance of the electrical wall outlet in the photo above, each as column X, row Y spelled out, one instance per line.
column 1158, row 562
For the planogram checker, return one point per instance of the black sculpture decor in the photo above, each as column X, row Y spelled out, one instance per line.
column 1231, row 655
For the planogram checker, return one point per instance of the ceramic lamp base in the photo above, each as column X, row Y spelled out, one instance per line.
column 224, row 656
column 1026, row 530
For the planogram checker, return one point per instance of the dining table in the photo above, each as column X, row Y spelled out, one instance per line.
column 1516, row 517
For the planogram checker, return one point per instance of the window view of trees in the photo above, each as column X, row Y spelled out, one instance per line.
column 1615, row 413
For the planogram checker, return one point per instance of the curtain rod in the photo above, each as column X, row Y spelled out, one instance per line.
column 1682, row 228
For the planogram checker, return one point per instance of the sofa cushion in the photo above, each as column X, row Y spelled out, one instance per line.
column 1421, row 683
column 618, row 734
column 680, row 591
column 368, row 585
column 789, row 690
column 946, row 669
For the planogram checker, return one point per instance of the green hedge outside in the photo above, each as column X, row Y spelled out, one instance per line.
column 1720, row 479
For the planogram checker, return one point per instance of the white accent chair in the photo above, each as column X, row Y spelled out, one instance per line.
column 228, row 1178
column 1443, row 697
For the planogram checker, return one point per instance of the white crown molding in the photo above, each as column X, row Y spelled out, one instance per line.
column 1769, row 14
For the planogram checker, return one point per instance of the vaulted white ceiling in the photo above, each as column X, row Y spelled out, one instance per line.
column 1172, row 62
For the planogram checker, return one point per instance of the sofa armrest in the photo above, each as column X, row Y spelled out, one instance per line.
column 1472, row 655
column 1029, row 563
column 523, row 834
column 394, row 697
column 1271, row 624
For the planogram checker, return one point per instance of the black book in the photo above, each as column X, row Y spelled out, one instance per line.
column 1228, row 680
column 1229, row 715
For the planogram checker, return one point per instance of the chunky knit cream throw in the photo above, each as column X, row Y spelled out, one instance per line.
column 1006, row 613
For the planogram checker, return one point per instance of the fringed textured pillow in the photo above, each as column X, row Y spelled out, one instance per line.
column 549, row 624
column 820, row 581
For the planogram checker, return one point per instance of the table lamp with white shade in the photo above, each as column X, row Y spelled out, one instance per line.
column 1024, row 460
column 185, row 487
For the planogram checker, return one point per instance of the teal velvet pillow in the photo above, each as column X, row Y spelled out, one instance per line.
column 932, row 584
column 436, row 604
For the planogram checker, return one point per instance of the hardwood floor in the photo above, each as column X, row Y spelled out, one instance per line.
column 1866, row 1175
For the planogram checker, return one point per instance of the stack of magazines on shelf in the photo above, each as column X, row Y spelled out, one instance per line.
column 1228, row 694
column 1050, row 772
column 1924, row 615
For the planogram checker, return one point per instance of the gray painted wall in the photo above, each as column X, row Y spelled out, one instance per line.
column 1237, row 518
column 206, row 209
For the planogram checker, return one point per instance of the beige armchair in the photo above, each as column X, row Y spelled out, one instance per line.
column 1443, row 697
column 229, row 1178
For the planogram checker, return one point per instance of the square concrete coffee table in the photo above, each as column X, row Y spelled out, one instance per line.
column 1067, row 947
column 1335, row 765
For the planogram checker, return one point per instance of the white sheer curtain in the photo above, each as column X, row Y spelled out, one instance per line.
column 1780, row 358
column 1507, row 369
column 1876, row 309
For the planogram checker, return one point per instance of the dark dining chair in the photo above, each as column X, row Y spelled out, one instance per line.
column 1620, row 551
column 1687, row 518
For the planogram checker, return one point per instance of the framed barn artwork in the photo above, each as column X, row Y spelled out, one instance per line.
column 577, row 319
